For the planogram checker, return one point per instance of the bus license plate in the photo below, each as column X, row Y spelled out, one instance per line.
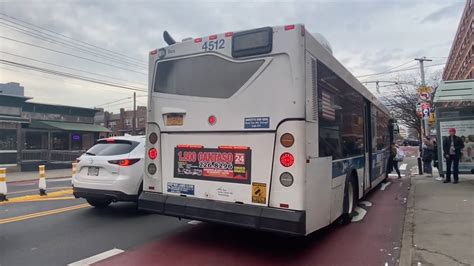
column 174, row 120
column 93, row 171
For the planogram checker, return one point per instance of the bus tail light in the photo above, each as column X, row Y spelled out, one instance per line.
column 289, row 27
column 213, row 37
column 287, row 159
column 152, row 153
column 198, row 40
column 284, row 205
column 287, row 140
column 286, row 179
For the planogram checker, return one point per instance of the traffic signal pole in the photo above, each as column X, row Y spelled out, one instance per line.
column 422, row 119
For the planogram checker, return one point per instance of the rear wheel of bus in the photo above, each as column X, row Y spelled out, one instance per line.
column 349, row 201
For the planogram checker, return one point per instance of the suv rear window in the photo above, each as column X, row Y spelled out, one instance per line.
column 203, row 76
column 109, row 148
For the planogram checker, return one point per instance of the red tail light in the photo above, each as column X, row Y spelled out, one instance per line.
column 228, row 34
column 289, row 27
column 110, row 140
column 152, row 153
column 124, row 162
column 213, row 37
column 154, row 52
column 287, row 159
column 198, row 40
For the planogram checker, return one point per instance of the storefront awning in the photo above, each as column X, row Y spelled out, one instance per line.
column 68, row 126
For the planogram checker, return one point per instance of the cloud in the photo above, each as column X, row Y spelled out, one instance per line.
column 444, row 13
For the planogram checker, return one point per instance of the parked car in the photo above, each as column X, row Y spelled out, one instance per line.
column 111, row 171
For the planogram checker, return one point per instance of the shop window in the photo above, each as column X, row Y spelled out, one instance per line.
column 60, row 141
column 36, row 140
column 76, row 141
column 7, row 139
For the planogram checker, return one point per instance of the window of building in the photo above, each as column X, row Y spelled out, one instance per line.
column 36, row 140
column 60, row 141
column 76, row 141
column 7, row 139
column 341, row 112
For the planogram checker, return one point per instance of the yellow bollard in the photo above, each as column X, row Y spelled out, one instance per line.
column 74, row 169
column 3, row 184
column 42, row 181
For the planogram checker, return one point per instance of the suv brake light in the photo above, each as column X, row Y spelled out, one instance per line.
column 124, row 162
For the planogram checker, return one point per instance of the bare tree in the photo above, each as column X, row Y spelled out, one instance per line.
column 402, row 99
column 402, row 104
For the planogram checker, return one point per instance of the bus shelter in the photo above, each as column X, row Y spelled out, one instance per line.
column 454, row 103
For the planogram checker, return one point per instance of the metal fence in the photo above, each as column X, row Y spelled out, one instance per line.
column 50, row 156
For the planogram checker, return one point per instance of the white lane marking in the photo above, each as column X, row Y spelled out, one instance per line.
column 360, row 214
column 384, row 185
column 365, row 203
column 194, row 222
column 403, row 167
column 96, row 258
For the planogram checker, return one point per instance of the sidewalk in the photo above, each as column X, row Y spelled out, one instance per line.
column 24, row 176
column 439, row 223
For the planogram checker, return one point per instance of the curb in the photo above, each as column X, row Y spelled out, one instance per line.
column 35, row 179
column 407, row 250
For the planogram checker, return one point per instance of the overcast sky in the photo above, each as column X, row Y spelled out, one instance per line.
column 366, row 36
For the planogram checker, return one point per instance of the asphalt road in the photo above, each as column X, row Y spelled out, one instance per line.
column 58, row 232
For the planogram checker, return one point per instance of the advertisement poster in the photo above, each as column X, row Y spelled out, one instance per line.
column 464, row 130
column 227, row 164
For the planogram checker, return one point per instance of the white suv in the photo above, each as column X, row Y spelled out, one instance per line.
column 110, row 171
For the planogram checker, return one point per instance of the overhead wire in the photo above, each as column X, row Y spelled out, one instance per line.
column 92, row 46
column 69, row 54
column 70, row 46
column 399, row 70
column 31, row 72
column 70, row 68
column 69, row 75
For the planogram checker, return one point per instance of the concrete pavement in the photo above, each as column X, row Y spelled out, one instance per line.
column 439, row 224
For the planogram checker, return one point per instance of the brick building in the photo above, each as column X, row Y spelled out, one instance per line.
column 121, row 123
column 460, row 64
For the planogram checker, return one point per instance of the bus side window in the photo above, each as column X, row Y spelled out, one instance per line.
column 341, row 116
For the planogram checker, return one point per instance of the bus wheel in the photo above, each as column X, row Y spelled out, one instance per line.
column 349, row 202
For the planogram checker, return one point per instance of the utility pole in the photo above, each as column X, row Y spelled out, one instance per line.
column 134, row 113
column 423, row 120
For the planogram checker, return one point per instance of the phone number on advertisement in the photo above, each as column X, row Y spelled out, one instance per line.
column 216, row 165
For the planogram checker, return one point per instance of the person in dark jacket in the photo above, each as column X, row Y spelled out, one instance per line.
column 452, row 147
column 427, row 156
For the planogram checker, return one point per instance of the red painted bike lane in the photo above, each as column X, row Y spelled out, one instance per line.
column 375, row 240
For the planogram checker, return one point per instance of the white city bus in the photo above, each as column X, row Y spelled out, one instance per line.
column 263, row 129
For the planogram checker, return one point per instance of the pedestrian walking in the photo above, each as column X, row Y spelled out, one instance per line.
column 427, row 156
column 452, row 147
column 395, row 156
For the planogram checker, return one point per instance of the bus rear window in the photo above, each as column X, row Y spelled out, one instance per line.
column 252, row 42
column 203, row 76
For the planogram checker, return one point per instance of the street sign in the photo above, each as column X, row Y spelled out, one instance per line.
column 425, row 110
column 424, row 93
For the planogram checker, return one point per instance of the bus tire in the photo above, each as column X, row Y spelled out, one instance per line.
column 349, row 202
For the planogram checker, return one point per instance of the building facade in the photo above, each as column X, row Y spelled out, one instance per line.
column 35, row 133
column 460, row 63
column 121, row 123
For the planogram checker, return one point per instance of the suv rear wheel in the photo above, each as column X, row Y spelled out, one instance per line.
column 99, row 203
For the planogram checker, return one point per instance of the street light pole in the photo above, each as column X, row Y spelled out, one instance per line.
column 423, row 121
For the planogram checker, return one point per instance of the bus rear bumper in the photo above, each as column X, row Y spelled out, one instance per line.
column 250, row 216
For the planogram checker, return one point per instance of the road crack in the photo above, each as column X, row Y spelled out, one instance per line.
column 442, row 254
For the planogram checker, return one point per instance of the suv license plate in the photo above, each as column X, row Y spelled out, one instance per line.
column 94, row 171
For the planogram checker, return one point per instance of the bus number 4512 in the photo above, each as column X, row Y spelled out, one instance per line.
column 213, row 45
